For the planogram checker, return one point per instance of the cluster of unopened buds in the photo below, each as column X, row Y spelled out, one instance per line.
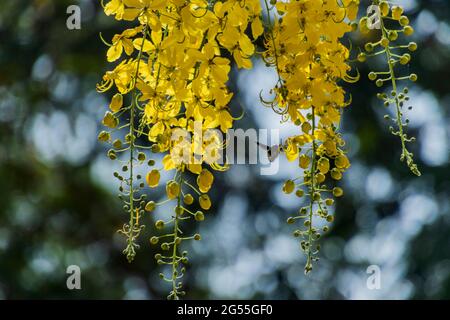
column 170, row 76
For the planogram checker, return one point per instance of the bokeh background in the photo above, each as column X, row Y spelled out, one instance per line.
column 58, row 203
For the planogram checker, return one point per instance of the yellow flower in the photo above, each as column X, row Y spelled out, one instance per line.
column 288, row 186
column 291, row 150
column 153, row 178
column 204, row 201
column 323, row 165
column 172, row 189
column 342, row 162
column 336, row 174
column 121, row 42
column 205, row 180
column 304, row 161
column 338, row 192
column 110, row 121
column 188, row 199
column 397, row 12
column 116, row 102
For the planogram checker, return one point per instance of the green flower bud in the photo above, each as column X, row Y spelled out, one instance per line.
column 104, row 136
column 159, row 224
column 199, row 216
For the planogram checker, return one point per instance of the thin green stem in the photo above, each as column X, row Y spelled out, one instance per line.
column 175, row 246
column 406, row 155
column 131, row 236
column 308, row 266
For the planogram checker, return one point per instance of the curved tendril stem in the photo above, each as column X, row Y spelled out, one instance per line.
column 273, row 42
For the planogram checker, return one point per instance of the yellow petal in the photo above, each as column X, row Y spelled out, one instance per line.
column 116, row 102
column 114, row 52
column 168, row 163
column 195, row 168
column 153, row 178
column 257, row 28
column 148, row 46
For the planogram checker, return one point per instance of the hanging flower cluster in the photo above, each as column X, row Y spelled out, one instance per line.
column 173, row 73
column 170, row 97
column 304, row 47
column 392, row 24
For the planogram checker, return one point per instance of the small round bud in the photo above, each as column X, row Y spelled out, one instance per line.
column 369, row 47
column 393, row 35
column 379, row 83
column 306, row 127
column 408, row 30
column 405, row 58
column 197, row 237
column 199, row 216
column 155, row 148
column 104, row 136
column 299, row 193
column 159, row 224
column 150, row 206
column 154, row 240
column 288, row 186
column 112, row 154
column 404, row 21
column 316, row 196
column 412, row 46
column 117, row 144
column 362, row 57
column 338, row 192
column 413, row 77
column 372, row 76
column 141, row 156
column 336, row 174
column 188, row 199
